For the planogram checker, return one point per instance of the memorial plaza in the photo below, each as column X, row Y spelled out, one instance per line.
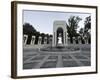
column 59, row 52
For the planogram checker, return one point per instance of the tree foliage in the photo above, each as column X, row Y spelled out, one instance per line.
column 87, row 23
column 87, row 28
column 72, row 26
column 81, row 31
column 30, row 30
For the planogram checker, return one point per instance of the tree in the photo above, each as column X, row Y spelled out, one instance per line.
column 28, row 29
column 81, row 34
column 47, row 35
column 72, row 26
column 37, row 37
column 81, row 31
column 42, row 35
column 87, row 23
column 51, row 35
column 87, row 28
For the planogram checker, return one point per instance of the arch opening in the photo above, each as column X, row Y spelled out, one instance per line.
column 59, row 37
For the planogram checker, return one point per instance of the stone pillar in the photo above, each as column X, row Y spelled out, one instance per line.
column 69, row 40
column 45, row 40
column 50, row 41
column 79, row 40
column 66, row 38
column 39, row 40
column 54, row 39
column 25, row 38
column 85, row 39
column 32, row 40
column 74, row 40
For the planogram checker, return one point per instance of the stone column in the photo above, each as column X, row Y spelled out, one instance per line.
column 66, row 38
column 54, row 39
column 25, row 38
column 79, row 40
column 69, row 40
column 85, row 39
column 74, row 40
column 45, row 40
column 50, row 40
column 32, row 40
column 39, row 40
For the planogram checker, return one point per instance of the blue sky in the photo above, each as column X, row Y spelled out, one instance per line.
column 43, row 20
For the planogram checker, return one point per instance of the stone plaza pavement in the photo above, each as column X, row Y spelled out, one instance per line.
column 33, row 58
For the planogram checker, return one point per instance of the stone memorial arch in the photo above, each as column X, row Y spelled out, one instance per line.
column 59, row 33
